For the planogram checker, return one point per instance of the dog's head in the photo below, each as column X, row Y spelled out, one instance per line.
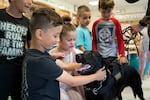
column 92, row 60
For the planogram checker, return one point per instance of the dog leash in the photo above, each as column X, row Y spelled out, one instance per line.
column 130, row 36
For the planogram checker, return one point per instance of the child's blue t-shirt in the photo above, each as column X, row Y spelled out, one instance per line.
column 83, row 38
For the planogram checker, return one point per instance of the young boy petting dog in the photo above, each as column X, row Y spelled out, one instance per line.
column 41, row 72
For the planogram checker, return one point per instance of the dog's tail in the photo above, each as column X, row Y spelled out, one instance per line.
column 138, row 92
column 136, row 85
column 134, row 91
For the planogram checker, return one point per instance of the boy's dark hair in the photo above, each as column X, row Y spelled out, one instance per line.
column 131, row 1
column 44, row 18
column 66, row 19
column 67, row 28
column 81, row 9
column 106, row 4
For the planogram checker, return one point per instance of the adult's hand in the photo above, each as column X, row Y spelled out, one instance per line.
column 136, row 28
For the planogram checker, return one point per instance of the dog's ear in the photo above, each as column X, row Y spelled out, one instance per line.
column 79, row 58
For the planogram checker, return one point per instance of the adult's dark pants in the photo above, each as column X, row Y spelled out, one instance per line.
column 10, row 81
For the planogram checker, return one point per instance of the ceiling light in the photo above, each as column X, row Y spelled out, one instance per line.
column 93, row 3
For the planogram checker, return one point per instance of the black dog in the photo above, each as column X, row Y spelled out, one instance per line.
column 121, row 76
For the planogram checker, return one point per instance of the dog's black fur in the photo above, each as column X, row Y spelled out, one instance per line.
column 121, row 76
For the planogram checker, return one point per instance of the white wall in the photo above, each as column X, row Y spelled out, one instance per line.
column 126, row 12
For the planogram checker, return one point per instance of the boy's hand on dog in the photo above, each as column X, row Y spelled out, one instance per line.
column 101, row 74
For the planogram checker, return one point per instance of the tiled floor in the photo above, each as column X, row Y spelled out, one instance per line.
column 128, row 95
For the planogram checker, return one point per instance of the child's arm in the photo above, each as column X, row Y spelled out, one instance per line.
column 81, row 47
column 81, row 79
column 80, row 40
column 57, row 55
column 94, row 41
column 68, row 65
column 120, row 42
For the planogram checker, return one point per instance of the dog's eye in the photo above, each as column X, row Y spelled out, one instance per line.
column 80, row 58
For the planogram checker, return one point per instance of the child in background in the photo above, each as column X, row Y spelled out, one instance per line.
column 13, row 34
column 66, row 19
column 59, row 55
column 41, row 72
column 84, row 39
column 66, row 46
column 107, row 34
column 144, row 53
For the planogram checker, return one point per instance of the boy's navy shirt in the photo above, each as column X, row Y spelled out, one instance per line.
column 39, row 76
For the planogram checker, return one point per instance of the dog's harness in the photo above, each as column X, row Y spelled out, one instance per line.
column 94, row 90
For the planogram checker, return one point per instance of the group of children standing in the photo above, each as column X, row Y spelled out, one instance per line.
column 46, row 75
